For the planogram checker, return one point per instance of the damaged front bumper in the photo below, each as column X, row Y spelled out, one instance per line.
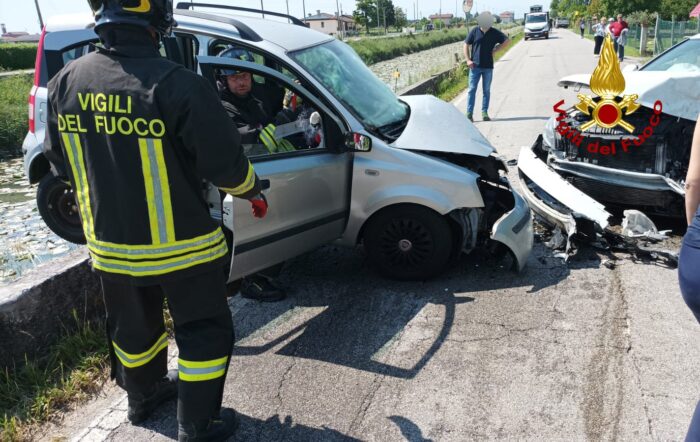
column 616, row 177
column 552, row 197
column 514, row 230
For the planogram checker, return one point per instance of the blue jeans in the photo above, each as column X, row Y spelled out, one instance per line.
column 475, row 74
column 689, row 281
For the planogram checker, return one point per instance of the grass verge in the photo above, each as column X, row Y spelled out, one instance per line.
column 14, row 92
column 373, row 50
column 72, row 371
column 457, row 81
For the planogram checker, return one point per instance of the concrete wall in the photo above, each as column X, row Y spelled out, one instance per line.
column 36, row 310
column 426, row 86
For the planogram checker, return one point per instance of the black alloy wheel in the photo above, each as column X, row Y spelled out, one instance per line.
column 408, row 242
column 59, row 209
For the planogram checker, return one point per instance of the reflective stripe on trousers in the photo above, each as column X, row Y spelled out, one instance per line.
column 137, row 360
column 194, row 371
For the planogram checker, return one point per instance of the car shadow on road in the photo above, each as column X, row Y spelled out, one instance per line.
column 342, row 313
column 274, row 428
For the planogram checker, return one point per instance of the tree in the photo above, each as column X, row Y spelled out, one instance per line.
column 678, row 8
column 595, row 9
column 365, row 13
column 614, row 7
column 400, row 18
column 554, row 8
column 387, row 16
column 643, row 19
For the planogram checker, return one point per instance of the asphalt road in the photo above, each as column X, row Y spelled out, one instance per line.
column 558, row 352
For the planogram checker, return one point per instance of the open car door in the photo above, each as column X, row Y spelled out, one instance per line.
column 308, row 189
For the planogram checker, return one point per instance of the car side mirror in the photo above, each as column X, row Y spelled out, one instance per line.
column 358, row 142
column 631, row 68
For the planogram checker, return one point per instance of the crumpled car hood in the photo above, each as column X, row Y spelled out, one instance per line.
column 437, row 126
column 678, row 91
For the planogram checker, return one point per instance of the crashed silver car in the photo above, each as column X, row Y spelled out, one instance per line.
column 410, row 178
column 600, row 168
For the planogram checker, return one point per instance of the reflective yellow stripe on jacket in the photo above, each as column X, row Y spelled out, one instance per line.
column 244, row 187
column 74, row 149
column 194, row 371
column 137, row 360
column 155, row 175
column 165, row 254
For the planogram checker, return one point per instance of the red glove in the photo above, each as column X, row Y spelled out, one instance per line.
column 259, row 204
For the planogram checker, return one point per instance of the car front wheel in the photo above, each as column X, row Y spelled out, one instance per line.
column 59, row 210
column 408, row 242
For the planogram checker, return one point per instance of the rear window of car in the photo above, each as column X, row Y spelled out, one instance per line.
column 68, row 57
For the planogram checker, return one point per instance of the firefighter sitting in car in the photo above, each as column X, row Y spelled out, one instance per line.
column 289, row 130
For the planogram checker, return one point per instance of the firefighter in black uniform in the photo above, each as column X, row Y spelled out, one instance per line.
column 251, row 118
column 135, row 134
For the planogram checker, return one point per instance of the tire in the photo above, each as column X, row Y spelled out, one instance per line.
column 408, row 242
column 525, row 38
column 58, row 209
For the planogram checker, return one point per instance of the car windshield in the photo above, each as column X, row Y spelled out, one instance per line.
column 535, row 19
column 343, row 74
column 683, row 58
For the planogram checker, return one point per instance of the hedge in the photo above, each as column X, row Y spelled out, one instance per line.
column 374, row 50
column 15, row 56
column 14, row 93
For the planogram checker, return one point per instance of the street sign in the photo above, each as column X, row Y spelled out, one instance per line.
column 467, row 5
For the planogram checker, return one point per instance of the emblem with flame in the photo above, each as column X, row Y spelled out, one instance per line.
column 608, row 83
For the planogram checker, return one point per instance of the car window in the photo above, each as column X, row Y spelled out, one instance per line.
column 189, row 48
column 685, row 57
column 75, row 53
column 343, row 74
column 272, row 118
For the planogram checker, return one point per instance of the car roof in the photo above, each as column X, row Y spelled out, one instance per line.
column 287, row 36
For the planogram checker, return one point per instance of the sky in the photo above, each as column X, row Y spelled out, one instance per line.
column 20, row 15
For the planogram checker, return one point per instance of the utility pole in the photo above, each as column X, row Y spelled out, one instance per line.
column 384, row 11
column 38, row 12
column 337, row 17
column 262, row 7
column 377, row 16
column 287, row 7
column 303, row 5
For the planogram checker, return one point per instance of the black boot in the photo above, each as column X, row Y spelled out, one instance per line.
column 261, row 288
column 215, row 430
column 141, row 406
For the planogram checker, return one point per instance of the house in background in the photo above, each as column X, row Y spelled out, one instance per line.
column 444, row 18
column 507, row 16
column 329, row 23
column 17, row 37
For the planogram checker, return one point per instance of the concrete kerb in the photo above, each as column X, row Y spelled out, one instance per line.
column 36, row 310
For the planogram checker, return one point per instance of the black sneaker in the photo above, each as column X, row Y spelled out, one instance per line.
column 140, row 408
column 215, row 430
column 261, row 288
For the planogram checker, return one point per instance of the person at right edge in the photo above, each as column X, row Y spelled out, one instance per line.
column 135, row 134
column 689, row 259
column 478, row 52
